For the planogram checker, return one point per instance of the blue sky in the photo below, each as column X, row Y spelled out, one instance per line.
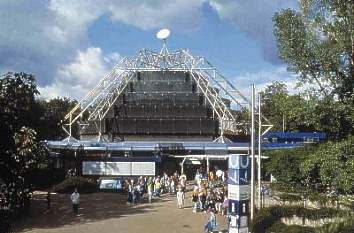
column 70, row 44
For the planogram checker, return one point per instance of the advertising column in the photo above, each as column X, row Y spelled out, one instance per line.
column 239, row 192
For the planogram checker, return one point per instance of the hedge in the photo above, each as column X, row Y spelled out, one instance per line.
column 43, row 178
column 290, row 197
column 268, row 219
column 262, row 221
column 82, row 184
column 279, row 227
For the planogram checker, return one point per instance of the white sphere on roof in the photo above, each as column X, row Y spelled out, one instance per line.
column 163, row 34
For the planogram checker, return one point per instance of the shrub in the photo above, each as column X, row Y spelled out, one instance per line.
column 279, row 227
column 268, row 219
column 290, row 197
column 263, row 220
column 43, row 178
column 82, row 184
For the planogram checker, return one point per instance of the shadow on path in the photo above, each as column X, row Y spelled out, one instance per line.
column 93, row 207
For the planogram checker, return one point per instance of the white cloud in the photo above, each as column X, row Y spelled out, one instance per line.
column 49, row 38
column 75, row 79
column 152, row 14
column 40, row 37
column 264, row 78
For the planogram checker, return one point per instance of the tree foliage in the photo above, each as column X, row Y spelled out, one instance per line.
column 284, row 165
column 331, row 166
column 52, row 113
column 323, row 168
column 17, row 101
column 287, row 112
column 302, row 112
column 20, row 151
column 318, row 43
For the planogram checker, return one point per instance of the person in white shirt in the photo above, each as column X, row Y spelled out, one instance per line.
column 75, row 200
column 180, row 198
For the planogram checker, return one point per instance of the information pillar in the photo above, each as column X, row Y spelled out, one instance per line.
column 239, row 192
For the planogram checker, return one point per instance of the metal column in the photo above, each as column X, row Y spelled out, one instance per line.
column 259, row 151
column 252, row 151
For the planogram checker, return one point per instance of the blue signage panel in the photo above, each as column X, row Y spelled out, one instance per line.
column 239, row 176
column 240, row 208
column 239, row 192
column 238, row 161
column 238, row 223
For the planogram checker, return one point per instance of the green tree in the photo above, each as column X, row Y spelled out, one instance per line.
column 287, row 112
column 18, row 105
column 53, row 112
column 331, row 166
column 284, row 165
column 318, row 44
column 29, row 152
column 20, row 150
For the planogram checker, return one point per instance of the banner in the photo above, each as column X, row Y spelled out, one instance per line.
column 118, row 168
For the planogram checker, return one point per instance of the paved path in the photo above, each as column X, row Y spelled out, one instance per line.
column 108, row 212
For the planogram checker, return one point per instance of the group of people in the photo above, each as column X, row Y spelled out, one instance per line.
column 204, row 198
column 209, row 192
column 154, row 187
column 210, row 195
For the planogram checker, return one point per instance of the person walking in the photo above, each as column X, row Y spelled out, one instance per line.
column 180, row 198
column 48, row 200
column 157, row 187
column 195, row 199
column 211, row 224
column 150, row 189
column 75, row 200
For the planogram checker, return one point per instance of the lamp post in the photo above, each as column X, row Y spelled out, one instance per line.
column 252, row 151
column 259, row 150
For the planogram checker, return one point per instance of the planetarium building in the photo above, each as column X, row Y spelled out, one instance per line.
column 153, row 112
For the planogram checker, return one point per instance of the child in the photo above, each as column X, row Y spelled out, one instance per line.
column 180, row 198
column 195, row 198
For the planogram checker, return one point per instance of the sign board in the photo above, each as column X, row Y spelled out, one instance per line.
column 243, row 221
column 239, row 192
column 238, row 230
column 239, row 176
column 237, row 161
column 93, row 168
column 111, row 184
column 118, row 168
column 234, row 220
column 143, row 168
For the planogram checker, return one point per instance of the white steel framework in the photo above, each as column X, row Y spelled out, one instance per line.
column 93, row 107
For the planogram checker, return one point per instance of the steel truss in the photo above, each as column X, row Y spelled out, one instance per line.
column 94, row 106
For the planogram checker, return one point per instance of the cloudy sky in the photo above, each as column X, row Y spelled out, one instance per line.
column 70, row 44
